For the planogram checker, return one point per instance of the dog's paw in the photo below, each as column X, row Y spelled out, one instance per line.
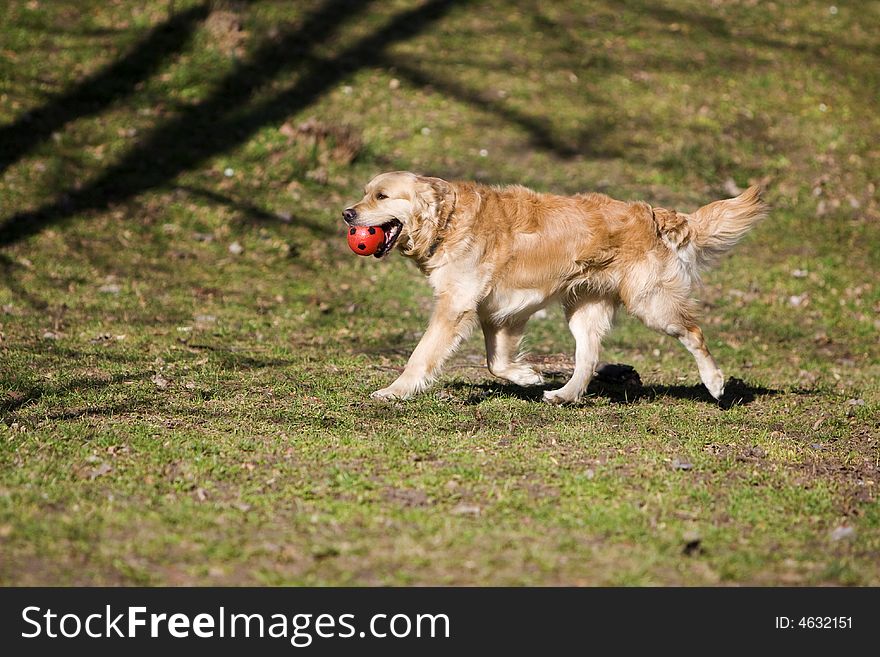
column 561, row 396
column 389, row 394
column 522, row 376
column 385, row 394
column 715, row 385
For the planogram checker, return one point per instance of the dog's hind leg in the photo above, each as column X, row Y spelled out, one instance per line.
column 589, row 320
column 502, row 351
column 692, row 339
column 671, row 313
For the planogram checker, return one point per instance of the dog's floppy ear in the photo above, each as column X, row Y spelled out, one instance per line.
column 433, row 203
column 435, row 199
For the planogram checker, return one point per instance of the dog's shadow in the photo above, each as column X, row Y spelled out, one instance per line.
column 620, row 384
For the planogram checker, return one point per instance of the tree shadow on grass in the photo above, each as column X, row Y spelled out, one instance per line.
column 108, row 86
column 255, row 213
column 589, row 141
column 9, row 269
column 230, row 115
column 20, row 394
column 15, row 400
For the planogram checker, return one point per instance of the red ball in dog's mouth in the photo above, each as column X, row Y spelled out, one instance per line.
column 377, row 241
column 365, row 240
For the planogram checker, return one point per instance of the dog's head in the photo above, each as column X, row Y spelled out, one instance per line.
column 411, row 209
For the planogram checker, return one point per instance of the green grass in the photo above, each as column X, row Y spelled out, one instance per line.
column 176, row 413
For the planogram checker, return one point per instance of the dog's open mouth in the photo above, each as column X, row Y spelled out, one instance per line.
column 392, row 232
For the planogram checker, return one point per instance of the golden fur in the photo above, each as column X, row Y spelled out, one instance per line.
column 498, row 255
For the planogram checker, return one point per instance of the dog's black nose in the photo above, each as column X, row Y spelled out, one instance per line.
column 349, row 215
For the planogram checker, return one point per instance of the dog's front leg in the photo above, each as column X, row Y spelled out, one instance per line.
column 450, row 323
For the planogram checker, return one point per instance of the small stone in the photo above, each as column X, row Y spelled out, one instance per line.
column 393, row 84
column 100, row 471
column 204, row 321
column 236, row 248
column 853, row 405
column 466, row 510
column 320, row 175
column 229, row 172
column 678, row 464
column 843, row 533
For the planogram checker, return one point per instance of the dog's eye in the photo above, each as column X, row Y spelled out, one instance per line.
column 380, row 196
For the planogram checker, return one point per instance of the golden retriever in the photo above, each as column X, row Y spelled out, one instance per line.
column 499, row 254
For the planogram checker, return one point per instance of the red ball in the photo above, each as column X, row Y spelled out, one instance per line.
column 365, row 240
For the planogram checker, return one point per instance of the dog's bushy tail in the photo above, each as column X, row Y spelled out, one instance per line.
column 717, row 227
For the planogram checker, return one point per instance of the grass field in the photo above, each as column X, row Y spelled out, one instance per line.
column 188, row 346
